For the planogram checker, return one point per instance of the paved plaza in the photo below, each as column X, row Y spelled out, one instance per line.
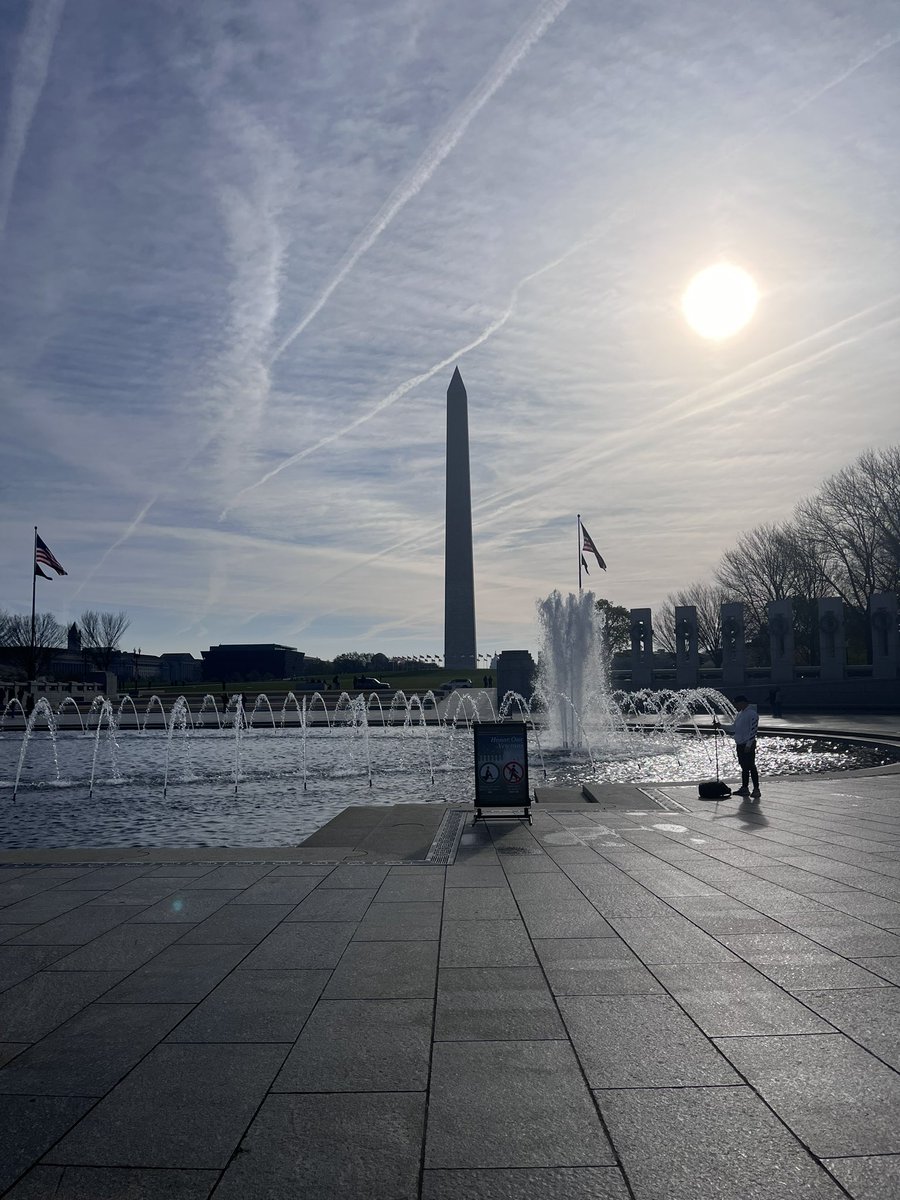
column 619, row 1001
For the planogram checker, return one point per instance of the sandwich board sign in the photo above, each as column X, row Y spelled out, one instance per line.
column 501, row 768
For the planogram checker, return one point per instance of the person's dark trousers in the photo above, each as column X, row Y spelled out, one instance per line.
column 746, row 754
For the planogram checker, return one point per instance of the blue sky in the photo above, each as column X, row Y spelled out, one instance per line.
column 243, row 246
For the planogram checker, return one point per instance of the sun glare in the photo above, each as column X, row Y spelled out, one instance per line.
column 719, row 301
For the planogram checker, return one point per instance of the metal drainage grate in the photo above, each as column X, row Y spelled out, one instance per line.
column 663, row 801
column 446, row 840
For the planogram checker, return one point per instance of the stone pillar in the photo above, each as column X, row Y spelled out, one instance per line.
column 641, row 648
column 459, row 573
column 832, row 639
column 883, row 622
column 781, row 640
column 734, row 650
column 514, row 673
column 687, row 646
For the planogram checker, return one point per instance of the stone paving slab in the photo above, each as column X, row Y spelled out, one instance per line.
column 547, row 1183
column 254, row 1006
column 836, row 1097
column 330, row 1147
column 182, row 1106
column 112, row 1183
column 641, row 1041
column 486, row 1110
column 361, row 1046
column 495, row 1004
column 89, row 1054
column 31, row 1124
column 714, row 990
column 868, row 1177
column 709, row 1144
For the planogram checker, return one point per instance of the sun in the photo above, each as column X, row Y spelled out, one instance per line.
column 719, row 301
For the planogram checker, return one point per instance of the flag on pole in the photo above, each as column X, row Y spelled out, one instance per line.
column 588, row 547
column 44, row 555
column 584, row 565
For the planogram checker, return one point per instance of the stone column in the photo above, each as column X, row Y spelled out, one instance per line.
column 515, row 673
column 781, row 640
column 687, row 646
column 883, row 622
column 734, row 650
column 459, row 573
column 641, row 648
column 832, row 639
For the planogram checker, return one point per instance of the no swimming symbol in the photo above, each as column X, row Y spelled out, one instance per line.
column 512, row 772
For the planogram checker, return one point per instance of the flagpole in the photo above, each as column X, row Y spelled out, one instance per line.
column 33, row 593
column 579, row 552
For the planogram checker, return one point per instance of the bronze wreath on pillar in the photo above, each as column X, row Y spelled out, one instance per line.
column 829, row 625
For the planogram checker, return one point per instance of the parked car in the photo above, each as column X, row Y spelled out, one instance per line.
column 457, row 683
column 373, row 684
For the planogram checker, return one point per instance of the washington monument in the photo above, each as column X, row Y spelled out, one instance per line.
column 459, row 575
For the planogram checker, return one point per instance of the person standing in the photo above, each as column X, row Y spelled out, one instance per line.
column 743, row 730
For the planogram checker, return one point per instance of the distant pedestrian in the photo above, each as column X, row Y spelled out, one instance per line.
column 775, row 701
column 335, row 683
column 743, row 730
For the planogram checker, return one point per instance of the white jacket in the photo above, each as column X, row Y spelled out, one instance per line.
column 745, row 725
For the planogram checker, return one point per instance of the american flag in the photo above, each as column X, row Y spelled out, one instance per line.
column 589, row 547
column 43, row 554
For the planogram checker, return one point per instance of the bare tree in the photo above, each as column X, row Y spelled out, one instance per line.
column 758, row 569
column 839, row 521
column 101, row 633
column 48, row 633
column 48, row 636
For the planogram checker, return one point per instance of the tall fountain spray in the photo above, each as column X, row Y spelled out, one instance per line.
column 573, row 670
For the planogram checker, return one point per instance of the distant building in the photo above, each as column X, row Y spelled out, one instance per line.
column 180, row 668
column 134, row 669
column 252, row 661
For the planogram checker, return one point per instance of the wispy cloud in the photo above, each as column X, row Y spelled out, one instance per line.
column 245, row 254
column 445, row 142
column 29, row 76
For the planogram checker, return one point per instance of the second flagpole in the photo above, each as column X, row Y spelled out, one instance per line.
column 579, row 551
column 31, row 662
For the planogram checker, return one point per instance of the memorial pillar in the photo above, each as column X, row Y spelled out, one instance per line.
column 734, row 650
column 832, row 639
column 687, row 647
column 780, row 615
column 641, row 648
column 514, row 673
column 883, row 623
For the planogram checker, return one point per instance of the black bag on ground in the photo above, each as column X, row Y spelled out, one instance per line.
column 714, row 789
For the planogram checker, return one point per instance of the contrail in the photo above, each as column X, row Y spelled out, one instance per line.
column 686, row 407
column 409, row 384
column 520, row 45
column 679, row 409
column 874, row 51
column 28, row 81
column 136, row 521
column 386, row 402
column 444, row 143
